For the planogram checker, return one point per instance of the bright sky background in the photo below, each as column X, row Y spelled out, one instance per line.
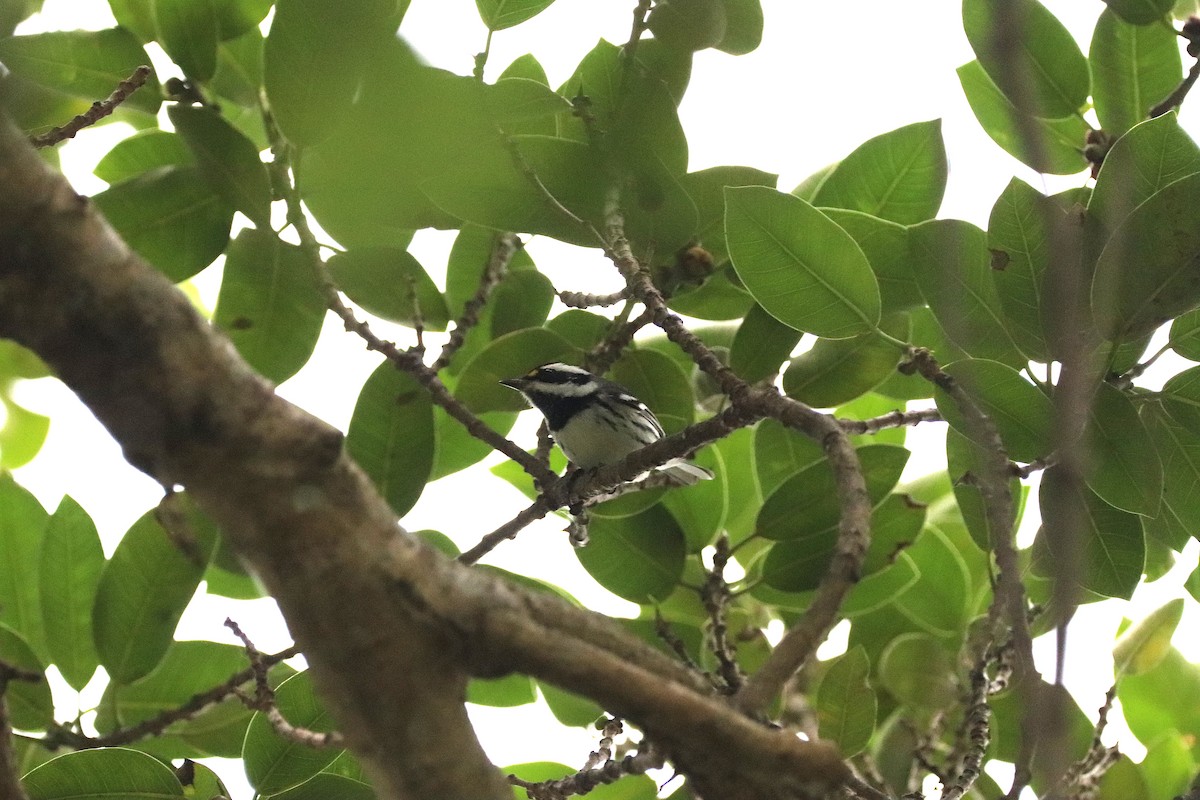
column 827, row 77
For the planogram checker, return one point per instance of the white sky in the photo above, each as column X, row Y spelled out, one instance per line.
column 827, row 77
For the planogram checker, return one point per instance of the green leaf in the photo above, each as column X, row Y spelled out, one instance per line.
column 512, row 690
column 1058, row 147
column 187, row 669
column 522, row 300
column 737, row 451
column 1151, row 701
column 1185, row 335
column 315, row 59
column 940, row 601
column 581, row 328
column 918, row 672
column 879, row 589
column 527, row 67
column 71, row 561
column 83, row 64
column 898, row 176
column 1146, row 274
column 239, row 79
column 706, row 187
column 964, row 457
column 805, row 524
column 633, row 787
column 570, row 709
column 799, row 265
column 142, row 152
column 955, row 276
column 143, row 591
column 1125, row 470
column 22, row 435
column 108, row 773
column 391, row 435
column 273, row 763
column 743, row 27
column 508, row 357
column 491, row 191
column 269, row 305
column 1123, row 781
column 1169, row 766
column 30, row 705
column 1046, row 75
column 1148, row 158
column 204, row 783
column 501, row 14
column 1133, row 69
column 1181, row 399
column 1140, row 12
column 688, row 24
column 1112, row 546
column 1018, row 237
column 720, row 297
column 835, row 371
column 846, row 703
column 389, row 283
column 188, row 32
column 639, row 558
column 228, row 160
column 1009, row 708
column 885, row 244
column 1145, row 643
column 323, row 785
column 1019, row 410
column 171, row 217
column 22, row 522
column 236, row 17
column 761, row 345
column 700, row 509
column 781, row 452
column 1179, row 449
column 136, row 16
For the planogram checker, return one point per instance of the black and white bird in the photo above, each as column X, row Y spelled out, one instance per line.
column 596, row 421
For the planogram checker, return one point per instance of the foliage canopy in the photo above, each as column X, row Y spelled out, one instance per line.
column 1028, row 339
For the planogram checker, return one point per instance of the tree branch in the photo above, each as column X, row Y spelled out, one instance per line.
column 98, row 111
column 391, row 628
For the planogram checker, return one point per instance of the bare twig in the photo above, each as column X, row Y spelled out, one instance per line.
column 504, row 247
column 716, row 597
column 98, row 111
column 584, row 781
column 538, row 509
column 1175, row 99
column 586, row 300
column 896, row 419
column 263, row 700
column 801, row 641
column 157, row 724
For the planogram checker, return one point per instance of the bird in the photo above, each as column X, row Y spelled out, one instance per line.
column 596, row 421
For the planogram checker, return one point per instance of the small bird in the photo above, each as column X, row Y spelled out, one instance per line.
column 595, row 421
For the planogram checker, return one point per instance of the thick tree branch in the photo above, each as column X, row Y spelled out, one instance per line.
column 391, row 629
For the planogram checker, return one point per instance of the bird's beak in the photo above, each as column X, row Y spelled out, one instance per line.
column 514, row 383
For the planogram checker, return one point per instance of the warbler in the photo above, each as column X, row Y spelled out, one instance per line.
column 596, row 421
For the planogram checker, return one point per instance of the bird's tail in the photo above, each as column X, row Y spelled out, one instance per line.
column 685, row 473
